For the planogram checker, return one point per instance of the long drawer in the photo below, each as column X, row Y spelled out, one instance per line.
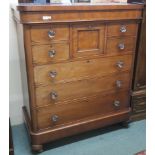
column 78, row 70
column 51, row 116
column 73, row 90
column 71, row 16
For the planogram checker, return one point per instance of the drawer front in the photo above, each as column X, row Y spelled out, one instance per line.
column 89, row 15
column 122, row 29
column 73, row 90
column 88, row 39
column 120, row 45
column 56, row 52
column 50, row 33
column 78, row 70
column 140, row 107
column 139, row 104
column 51, row 116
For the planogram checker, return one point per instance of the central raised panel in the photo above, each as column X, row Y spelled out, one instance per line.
column 85, row 44
column 88, row 40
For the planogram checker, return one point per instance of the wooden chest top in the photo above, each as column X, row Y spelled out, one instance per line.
column 49, row 13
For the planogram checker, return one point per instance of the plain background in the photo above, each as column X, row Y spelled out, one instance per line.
column 15, row 86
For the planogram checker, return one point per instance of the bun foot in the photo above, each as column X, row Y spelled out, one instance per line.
column 37, row 148
column 125, row 124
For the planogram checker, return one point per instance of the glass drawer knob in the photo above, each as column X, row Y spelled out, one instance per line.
column 55, row 118
column 51, row 34
column 116, row 104
column 51, row 53
column 121, row 46
column 54, row 95
column 53, row 74
column 123, row 29
column 119, row 84
column 120, row 64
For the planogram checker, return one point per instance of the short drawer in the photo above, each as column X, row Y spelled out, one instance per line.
column 52, row 116
column 54, row 94
column 78, row 70
column 124, row 29
column 56, row 52
column 120, row 45
column 47, row 34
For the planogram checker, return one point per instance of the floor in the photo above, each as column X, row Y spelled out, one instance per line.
column 113, row 140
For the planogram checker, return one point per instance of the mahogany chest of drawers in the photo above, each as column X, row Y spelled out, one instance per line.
column 79, row 62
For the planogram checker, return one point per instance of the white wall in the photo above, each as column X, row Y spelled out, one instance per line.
column 15, row 86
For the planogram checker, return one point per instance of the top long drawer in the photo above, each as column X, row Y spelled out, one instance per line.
column 71, row 16
column 78, row 70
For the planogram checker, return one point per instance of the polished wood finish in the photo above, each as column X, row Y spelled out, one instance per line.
column 81, row 16
column 77, row 7
column 39, row 34
column 114, row 29
column 75, row 90
column 41, row 53
column 80, row 109
column 82, row 45
column 82, row 70
column 113, row 45
column 79, row 73
column 33, row 13
column 41, row 137
column 138, row 105
column 139, row 81
column 140, row 69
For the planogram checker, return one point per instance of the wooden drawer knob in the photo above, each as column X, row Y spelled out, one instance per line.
column 123, row 29
column 51, row 34
column 51, row 53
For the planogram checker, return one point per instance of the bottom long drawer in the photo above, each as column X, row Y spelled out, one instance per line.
column 51, row 116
